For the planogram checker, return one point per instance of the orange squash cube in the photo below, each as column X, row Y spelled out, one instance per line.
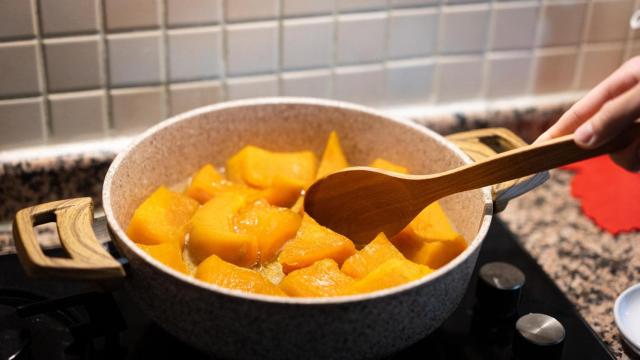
column 374, row 254
column 437, row 254
column 314, row 242
column 389, row 274
column 389, row 166
column 430, row 239
column 201, row 186
column 162, row 217
column 168, row 253
column 283, row 192
column 212, row 232
column 271, row 225
column 260, row 168
column 323, row 278
column 333, row 158
column 219, row 272
column 298, row 207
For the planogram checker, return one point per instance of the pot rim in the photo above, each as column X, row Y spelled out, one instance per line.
column 124, row 239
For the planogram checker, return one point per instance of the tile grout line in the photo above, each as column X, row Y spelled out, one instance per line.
column 533, row 71
column 435, row 83
column 280, row 42
column 486, row 71
column 223, row 49
column 575, row 84
column 47, row 128
column 385, row 62
column 105, row 70
column 164, row 57
column 334, row 54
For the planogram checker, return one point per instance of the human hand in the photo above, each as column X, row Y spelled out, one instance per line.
column 606, row 111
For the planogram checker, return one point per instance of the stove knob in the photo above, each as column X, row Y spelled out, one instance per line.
column 498, row 289
column 538, row 336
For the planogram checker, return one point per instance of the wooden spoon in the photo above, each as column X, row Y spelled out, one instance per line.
column 361, row 202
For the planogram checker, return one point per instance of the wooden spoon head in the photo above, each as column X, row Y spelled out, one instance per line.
column 361, row 202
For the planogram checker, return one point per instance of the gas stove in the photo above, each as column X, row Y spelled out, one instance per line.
column 62, row 320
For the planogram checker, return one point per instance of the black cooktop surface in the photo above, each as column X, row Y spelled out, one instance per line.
column 58, row 320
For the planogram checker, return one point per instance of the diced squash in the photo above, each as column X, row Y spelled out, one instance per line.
column 168, row 253
column 271, row 225
column 430, row 225
column 388, row 165
column 260, row 168
column 162, row 217
column 314, row 242
column 374, row 254
column 430, row 239
column 437, row 254
column 202, row 183
column 283, row 192
column 212, row 232
column 391, row 273
column 333, row 158
column 208, row 183
column 219, row 272
column 323, row 278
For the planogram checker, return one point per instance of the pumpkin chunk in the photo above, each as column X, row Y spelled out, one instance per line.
column 388, row 165
column 323, row 278
column 261, row 168
column 283, row 192
column 314, row 242
column 208, row 183
column 271, row 225
column 219, row 272
column 162, row 217
column 437, row 254
column 168, row 253
column 374, row 254
column 430, row 239
column 393, row 272
column 212, row 232
column 333, row 158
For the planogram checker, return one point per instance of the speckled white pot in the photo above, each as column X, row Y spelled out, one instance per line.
column 233, row 324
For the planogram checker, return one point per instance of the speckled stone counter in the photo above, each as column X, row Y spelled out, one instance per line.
column 590, row 266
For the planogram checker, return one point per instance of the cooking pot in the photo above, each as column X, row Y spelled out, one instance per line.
column 234, row 324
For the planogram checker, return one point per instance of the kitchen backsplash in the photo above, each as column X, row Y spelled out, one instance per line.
column 86, row 69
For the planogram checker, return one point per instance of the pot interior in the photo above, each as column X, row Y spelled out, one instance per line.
column 175, row 149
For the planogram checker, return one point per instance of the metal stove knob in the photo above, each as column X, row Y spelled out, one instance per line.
column 499, row 287
column 538, row 336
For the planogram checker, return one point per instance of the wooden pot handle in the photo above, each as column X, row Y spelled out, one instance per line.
column 483, row 143
column 88, row 260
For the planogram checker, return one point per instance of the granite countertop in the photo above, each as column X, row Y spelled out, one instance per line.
column 591, row 267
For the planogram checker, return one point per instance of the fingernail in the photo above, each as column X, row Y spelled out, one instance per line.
column 585, row 135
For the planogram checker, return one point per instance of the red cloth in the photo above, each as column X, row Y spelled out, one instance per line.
column 610, row 195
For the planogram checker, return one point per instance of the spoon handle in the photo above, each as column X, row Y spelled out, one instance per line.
column 524, row 161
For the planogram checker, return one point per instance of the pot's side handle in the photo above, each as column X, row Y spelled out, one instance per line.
column 483, row 143
column 88, row 260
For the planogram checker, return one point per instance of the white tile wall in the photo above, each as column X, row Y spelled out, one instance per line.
column 74, row 63
column 78, row 115
column 60, row 17
column 413, row 33
column 252, row 48
column 135, row 59
column 459, row 78
column 187, row 96
column 192, row 12
column 307, row 43
column 194, row 53
column 314, row 83
column 16, row 19
column 21, row 122
column 514, row 25
column 361, row 38
column 141, row 61
column 464, row 29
